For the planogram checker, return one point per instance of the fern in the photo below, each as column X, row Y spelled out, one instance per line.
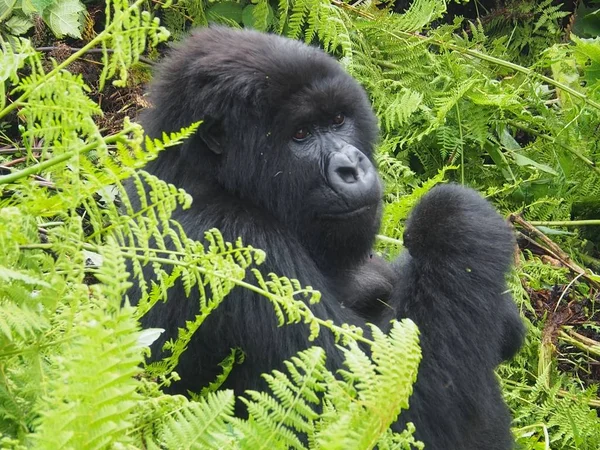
column 90, row 395
column 313, row 19
column 128, row 29
column 358, row 407
column 200, row 425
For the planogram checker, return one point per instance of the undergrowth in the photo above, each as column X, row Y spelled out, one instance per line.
column 509, row 104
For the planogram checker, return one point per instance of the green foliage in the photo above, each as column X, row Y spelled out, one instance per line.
column 358, row 407
column 63, row 17
column 72, row 371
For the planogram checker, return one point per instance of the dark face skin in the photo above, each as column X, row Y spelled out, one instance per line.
column 343, row 202
column 350, row 186
column 316, row 177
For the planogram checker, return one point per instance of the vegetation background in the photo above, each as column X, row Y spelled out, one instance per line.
column 501, row 95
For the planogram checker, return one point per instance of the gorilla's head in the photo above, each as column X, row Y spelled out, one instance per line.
column 284, row 129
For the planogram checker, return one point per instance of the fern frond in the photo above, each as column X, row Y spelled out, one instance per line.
column 420, row 14
column 395, row 360
column 12, row 58
column 399, row 107
column 200, row 425
column 17, row 322
column 127, row 31
column 92, row 391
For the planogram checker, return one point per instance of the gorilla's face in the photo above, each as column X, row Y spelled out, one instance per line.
column 321, row 166
column 285, row 129
column 342, row 197
column 348, row 185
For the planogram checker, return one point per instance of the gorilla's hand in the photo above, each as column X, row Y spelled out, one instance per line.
column 453, row 223
column 367, row 288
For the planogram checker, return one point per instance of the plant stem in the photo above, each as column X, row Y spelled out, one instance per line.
column 75, row 56
column 305, row 311
column 37, row 168
column 389, row 240
column 564, row 223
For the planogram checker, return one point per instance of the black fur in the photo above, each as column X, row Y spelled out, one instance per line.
column 314, row 206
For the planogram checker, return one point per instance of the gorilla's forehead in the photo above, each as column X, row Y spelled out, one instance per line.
column 319, row 100
column 259, row 66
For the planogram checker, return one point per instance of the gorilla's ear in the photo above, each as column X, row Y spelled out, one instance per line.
column 212, row 134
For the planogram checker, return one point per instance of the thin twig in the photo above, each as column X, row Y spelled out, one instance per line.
column 564, row 223
column 89, row 51
column 553, row 250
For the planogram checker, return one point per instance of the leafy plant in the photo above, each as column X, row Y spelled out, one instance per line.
column 63, row 17
column 71, row 358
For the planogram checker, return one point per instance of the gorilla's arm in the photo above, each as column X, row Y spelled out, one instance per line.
column 451, row 283
column 366, row 289
column 460, row 251
column 514, row 331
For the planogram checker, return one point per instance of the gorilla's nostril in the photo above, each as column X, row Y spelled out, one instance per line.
column 347, row 174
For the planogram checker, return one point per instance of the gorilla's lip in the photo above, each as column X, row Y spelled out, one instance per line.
column 348, row 213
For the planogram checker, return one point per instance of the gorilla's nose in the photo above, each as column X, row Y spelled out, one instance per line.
column 350, row 173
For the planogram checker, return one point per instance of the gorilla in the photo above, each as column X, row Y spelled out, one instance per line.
column 284, row 160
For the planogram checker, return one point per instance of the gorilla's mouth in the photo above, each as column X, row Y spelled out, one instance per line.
column 350, row 213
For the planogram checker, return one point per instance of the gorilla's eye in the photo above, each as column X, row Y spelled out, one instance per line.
column 301, row 134
column 338, row 119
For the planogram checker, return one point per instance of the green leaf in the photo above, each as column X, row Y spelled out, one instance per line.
column 40, row 5
column 228, row 10
column 507, row 140
column 587, row 52
column 525, row 161
column 7, row 275
column 65, row 18
column 500, row 160
column 259, row 17
column 6, row 7
column 18, row 24
column 248, row 16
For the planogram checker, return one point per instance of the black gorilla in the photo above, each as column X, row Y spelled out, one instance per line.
column 284, row 159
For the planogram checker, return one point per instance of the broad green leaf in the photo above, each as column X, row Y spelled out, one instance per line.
column 18, row 24
column 507, row 140
column 248, row 16
column 228, row 10
column 525, row 161
column 499, row 159
column 29, row 8
column 10, row 61
column 6, row 7
column 40, row 5
column 258, row 16
column 65, row 18
column 587, row 52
